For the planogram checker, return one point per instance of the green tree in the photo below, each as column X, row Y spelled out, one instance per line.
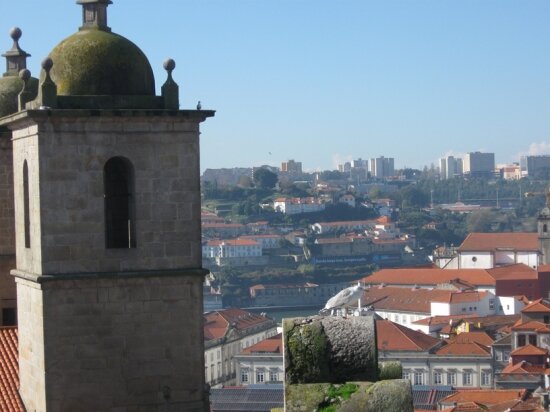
column 411, row 196
column 265, row 178
column 480, row 221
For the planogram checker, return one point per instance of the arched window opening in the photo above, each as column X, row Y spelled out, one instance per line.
column 544, row 228
column 26, row 207
column 118, row 180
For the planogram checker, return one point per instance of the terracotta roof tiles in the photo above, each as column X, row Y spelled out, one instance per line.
column 429, row 276
column 464, row 349
column 537, row 306
column 403, row 299
column 463, row 297
column 9, row 371
column 514, row 271
column 486, row 397
column 218, row 323
column 394, row 337
column 472, row 337
column 531, row 325
column 438, row 320
column 523, row 368
column 273, row 344
column 530, row 350
column 519, row 241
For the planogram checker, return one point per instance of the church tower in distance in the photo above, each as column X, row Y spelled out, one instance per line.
column 107, row 231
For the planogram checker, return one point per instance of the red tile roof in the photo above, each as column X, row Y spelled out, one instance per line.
column 486, row 397
column 529, row 350
column 393, row 337
column 513, row 405
column 273, row 344
column 493, row 321
column 523, row 368
column 463, row 297
column 537, row 306
column 472, row 337
column 515, row 271
column 519, row 241
column 438, row 320
column 9, row 371
column 531, row 325
column 217, row 323
column 429, row 276
column 467, row 407
column 464, row 349
column 402, row 299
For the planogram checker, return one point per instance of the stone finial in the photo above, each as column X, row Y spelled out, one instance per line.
column 94, row 14
column 47, row 93
column 170, row 89
column 25, row 95
column 16, row 58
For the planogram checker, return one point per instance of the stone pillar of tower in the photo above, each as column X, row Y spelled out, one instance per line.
column 543, row 227
column 107, row 223
column 10, row 86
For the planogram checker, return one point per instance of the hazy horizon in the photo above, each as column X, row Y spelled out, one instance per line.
column 323, row 82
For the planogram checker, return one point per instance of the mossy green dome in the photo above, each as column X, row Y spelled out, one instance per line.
column 10, row 87
column 99, row 63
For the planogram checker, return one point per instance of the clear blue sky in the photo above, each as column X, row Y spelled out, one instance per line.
column 325, row 80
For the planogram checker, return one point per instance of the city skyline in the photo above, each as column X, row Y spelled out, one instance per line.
column 324, row 83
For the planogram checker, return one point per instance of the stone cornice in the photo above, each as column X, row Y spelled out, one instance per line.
column 108, row 275
column 36, row 116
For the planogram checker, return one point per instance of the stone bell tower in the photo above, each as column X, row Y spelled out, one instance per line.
column 543, row 227
column 107, row 227
column 10, row 86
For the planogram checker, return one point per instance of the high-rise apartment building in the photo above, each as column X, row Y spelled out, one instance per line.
column 450, row 167
column 360, row 164
column 345, row 168
column 537, row 166
column 477, row 164
column 381, row 167
column 291, row 166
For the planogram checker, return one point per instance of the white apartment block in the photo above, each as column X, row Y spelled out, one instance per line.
column 231, row 248
column 261, row 363
column 294, row 206
column 226, row 333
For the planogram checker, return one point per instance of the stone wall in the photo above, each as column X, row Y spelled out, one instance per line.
column 112, row 343
column 7, row 226
column 67, row 197
column 109, row 329
column 7, row 217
